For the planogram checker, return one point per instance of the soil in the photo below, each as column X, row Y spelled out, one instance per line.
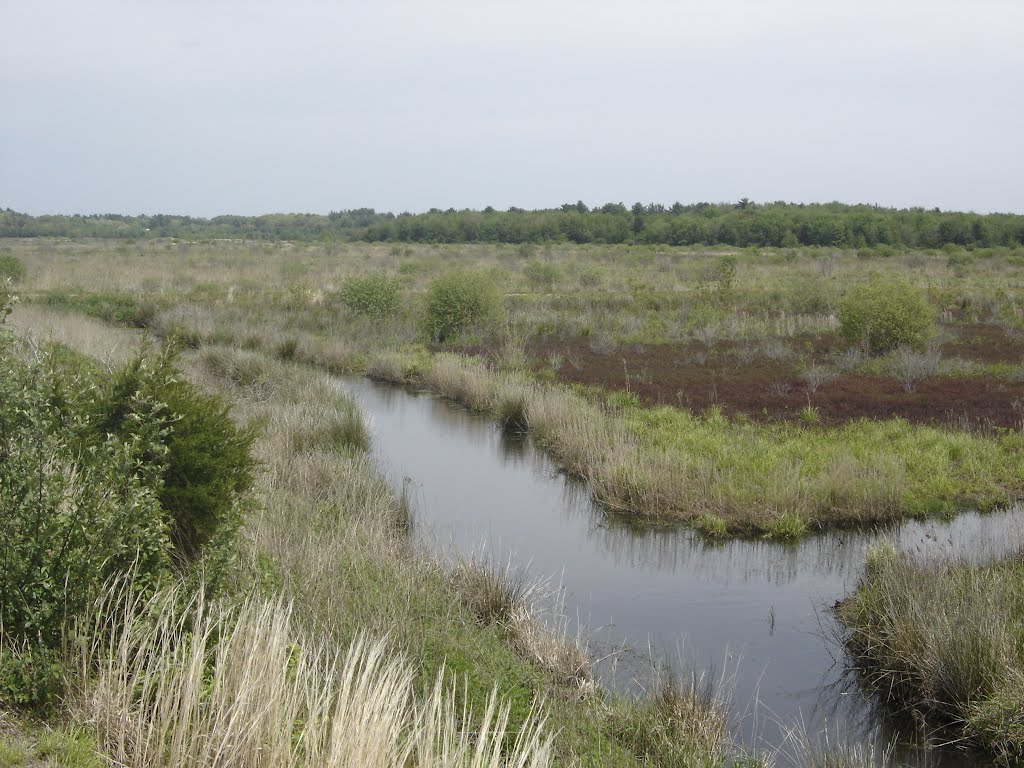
column 693, row 376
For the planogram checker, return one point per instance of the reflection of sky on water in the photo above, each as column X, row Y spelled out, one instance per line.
column 752, row 609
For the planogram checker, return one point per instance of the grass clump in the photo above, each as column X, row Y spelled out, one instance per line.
column 786, row 526
column 711, row 526
column 944, row 640
column 681, row 722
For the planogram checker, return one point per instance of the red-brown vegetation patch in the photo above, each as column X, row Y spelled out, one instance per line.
column 692, row 376
column 983, row 343
column 763, row 380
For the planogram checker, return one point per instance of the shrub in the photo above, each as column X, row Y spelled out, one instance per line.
column 117, row 308
column 911, row 366
column 459, row 302
column 11, row 268
column 371, row 295
column 72, row 518
column 205, row 461
column 7, row 299
column 882, row 315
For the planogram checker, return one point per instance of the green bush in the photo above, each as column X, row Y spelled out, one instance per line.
column 7, row 299
column 105, row 473
column 883, row 314
column 117, row 308
column 459, row 302
column 72, row 518
column 11, row 268
column 371, row 295
column 205, row 461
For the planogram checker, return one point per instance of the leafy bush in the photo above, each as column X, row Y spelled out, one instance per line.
column 72, row 518
column 101, row 474
column 882, row 315
column 459, row 302
column 11, row 268
column 205, row 461
column 371, row 295
column 7, row 300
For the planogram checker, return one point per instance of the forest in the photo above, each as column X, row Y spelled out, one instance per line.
column 741, row 224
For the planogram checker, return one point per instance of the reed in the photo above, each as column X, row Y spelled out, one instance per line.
column 211, row 685
column 943, row 640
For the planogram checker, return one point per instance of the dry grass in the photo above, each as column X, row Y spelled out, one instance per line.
column 207, row 685
column 801, row 750
column 91, row 337
column 531, row 614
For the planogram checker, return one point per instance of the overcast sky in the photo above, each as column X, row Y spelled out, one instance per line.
column 301, row 106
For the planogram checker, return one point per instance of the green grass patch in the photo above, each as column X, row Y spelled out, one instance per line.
column 780, row 478
column 116, row 308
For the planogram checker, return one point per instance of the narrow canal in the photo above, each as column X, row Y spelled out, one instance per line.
column 753, row 612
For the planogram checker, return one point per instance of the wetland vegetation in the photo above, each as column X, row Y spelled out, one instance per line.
column 762, row 370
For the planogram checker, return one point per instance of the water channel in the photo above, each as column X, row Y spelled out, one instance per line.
column 754, row 612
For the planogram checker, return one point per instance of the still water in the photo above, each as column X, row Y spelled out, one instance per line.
column 754, row 612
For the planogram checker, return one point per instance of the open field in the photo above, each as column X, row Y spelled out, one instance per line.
column 753, row 336
column 712, row 386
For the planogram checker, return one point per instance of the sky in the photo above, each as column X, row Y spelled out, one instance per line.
column 222, row 106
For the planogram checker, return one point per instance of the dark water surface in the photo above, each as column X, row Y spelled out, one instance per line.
column 754, row 612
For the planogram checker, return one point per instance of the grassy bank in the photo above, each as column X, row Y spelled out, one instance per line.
column 944, row 642
column 323, row 572
column 331, row 535
column 730, row 474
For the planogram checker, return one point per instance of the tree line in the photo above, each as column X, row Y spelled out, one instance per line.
column 742, row 224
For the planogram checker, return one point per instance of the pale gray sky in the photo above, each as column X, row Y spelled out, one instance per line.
column 223, row 106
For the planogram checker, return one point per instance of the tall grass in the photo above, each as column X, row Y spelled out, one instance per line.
column 209, row 685
column 944, row 640
column 91, row 337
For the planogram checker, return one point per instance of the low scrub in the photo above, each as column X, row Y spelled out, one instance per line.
column 461, row 303
column 943, row 640
column 103, row 472
column 885, row 313
column 373, row 295
column 11, row 268
column 117, row 308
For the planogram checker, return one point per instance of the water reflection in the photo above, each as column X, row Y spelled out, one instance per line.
column 758, row 607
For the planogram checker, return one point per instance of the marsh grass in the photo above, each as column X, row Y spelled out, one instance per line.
column 681, row 721
column 778, row 479
column 530, row 613
column 801, row 750
column 943, row 640
column 199, row 684
column 329, row 536
column 98, row 340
